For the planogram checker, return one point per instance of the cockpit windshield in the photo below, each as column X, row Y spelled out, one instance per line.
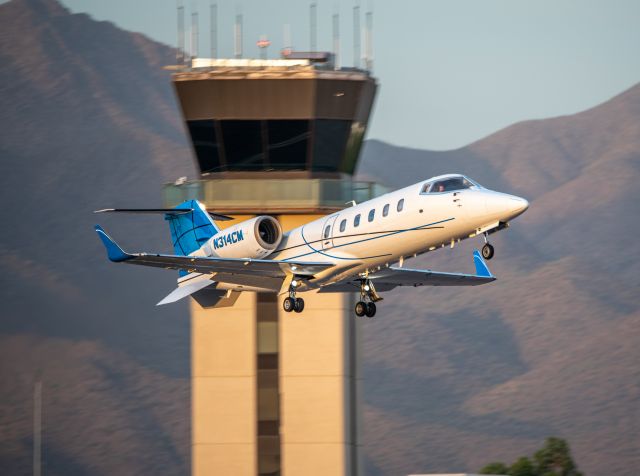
column 448, row 184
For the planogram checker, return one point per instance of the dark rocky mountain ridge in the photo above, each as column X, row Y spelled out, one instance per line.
column 452, row 379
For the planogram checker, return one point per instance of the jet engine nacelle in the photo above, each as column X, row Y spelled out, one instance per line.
column 255, row 238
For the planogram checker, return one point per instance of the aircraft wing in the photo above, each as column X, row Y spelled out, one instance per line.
column 193, row 264
column 389, row 278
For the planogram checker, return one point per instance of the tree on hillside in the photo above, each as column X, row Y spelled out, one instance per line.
column 553, row 459
column 522, row 467
column 495, row 468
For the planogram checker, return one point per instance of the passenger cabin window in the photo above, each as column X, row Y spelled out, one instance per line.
column 385, row 210
column 372, row 214
column 356, row 220
column 400, row 205
column 449, row 185
column 327, row 231
column 343, row 226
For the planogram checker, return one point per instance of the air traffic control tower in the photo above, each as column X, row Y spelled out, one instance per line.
column 275, row 393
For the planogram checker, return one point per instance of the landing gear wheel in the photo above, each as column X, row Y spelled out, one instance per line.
column 371, row 309
column 487, row 251
column 299, row 305
column 289, row 304
column 361, row 308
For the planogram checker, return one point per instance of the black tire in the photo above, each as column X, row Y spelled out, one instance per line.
column 487, row 251
column 289, row 304
column 299, row 305
column 371, row 309
column 361, row 308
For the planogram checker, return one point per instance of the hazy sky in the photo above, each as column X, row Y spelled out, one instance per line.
column 451, row 72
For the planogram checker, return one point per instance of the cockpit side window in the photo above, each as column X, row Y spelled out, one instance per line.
column 451, row 184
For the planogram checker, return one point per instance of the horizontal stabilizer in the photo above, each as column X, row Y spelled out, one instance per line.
column 167, row 211
column 185, row 290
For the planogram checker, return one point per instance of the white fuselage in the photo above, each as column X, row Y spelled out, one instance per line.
column 422, row 222
column 404, row 223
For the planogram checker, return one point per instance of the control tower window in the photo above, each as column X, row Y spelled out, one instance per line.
column 203, row 137
column 329, row 144
column 243, row 144
column 287, row 144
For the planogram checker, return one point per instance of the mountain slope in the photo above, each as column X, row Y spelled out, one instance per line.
column 453, row 378
column 88, row 120
column 550, row 348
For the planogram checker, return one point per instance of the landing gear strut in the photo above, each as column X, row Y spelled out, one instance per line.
column 487, row 249
column 293, row 303
column 367, row 291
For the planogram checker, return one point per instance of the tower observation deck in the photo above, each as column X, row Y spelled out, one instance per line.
column 275, row 115
column 274, row 393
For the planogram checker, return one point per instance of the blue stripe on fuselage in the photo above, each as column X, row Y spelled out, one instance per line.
column 360, row 241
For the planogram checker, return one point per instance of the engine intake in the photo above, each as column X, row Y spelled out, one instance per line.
column 255, row 238
column 268, row 232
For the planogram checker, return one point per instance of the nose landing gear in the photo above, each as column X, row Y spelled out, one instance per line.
column 367, row 291
column 487, row 249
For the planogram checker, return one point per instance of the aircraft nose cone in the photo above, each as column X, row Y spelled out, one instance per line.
column 504, row 207
column 517, row 205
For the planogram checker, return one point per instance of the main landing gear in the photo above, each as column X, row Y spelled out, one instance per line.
column 293, row 303
column 487, row 249
column 367, row 291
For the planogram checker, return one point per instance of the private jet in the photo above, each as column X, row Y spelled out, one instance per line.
column 362, row 248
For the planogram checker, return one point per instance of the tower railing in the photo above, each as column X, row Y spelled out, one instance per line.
column 276, row 195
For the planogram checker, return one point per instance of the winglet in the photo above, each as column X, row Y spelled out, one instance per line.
column 114, row 252
column 482, row 269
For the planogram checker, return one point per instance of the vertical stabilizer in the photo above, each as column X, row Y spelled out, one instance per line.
column 189, row 231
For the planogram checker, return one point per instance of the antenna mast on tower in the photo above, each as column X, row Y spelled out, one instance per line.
column 369, row 42
column 313, row 26
column 214, row 29
column 356, row 35
column 336, row 40
column 194, row 32
column 237, row 43
column 180, row 52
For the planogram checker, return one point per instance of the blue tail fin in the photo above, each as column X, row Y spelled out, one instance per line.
column 189, row 231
